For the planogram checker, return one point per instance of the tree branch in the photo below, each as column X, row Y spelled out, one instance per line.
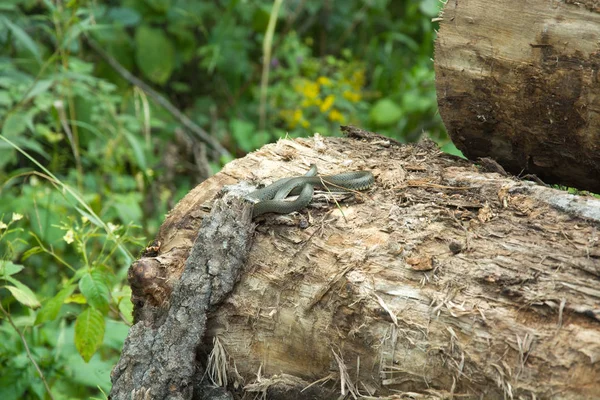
column 160, row 99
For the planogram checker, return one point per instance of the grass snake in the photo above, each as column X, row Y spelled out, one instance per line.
column 271, row 199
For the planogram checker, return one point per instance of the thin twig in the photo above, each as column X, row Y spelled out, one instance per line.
column 159, row 99
column 10, row 321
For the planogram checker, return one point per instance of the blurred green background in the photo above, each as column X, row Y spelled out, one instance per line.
column 90, row 163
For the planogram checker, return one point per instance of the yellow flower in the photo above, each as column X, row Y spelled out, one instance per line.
column 292, row 117
column 305, row 123
column 16, row 216
column 352, row 96
column 324, row 81
column 308, row 89
column 310, row 102
column 327, row 103
column 297, row 116
column 335, row 115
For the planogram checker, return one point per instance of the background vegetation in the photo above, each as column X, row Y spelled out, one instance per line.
column 90, row 162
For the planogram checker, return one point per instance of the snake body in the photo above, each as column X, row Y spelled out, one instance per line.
column 271, row 199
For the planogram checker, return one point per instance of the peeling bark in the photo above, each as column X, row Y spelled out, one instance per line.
column 158, row 359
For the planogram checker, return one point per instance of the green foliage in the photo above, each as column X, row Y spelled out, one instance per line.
column 154, row 54
column 89, row 332
column 385, row 113
column 86, row 158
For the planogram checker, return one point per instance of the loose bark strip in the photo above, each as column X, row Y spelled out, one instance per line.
column 158, row 359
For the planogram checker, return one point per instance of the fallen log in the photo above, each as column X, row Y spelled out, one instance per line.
column 518, row 82
column 441, row 281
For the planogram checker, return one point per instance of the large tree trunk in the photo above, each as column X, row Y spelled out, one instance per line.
column 441, row 281
column 518, row 81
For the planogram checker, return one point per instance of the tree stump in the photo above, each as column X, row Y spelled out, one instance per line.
column 443, row 280
column 518, row 82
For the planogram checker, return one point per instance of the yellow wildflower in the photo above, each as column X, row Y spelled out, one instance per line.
column 305, row 123
column 297, row 116
column 335, row 115
column 352, row 96
column 292, row 117
column 324, row 81
column 310, row 90
column 327, row 103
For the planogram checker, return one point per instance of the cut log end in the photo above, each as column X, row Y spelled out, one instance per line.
column 518, row 82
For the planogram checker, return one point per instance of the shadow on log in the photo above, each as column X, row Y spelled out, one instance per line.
column 442, row 281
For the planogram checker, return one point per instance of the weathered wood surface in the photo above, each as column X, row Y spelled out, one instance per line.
column 518, row 81
column 441, row 281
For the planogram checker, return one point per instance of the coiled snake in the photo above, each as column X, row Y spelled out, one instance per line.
column 271, row 199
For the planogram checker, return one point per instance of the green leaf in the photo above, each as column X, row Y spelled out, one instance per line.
column 128, row 207
column 93, row 374
column 125, row 304
column 124, row 16
column 94, row 288
column 385, row 113
column 89, row 332
column 450, row 148
column 7, row 268
column 242, row 132
column 32, row 251
column 116, row 332
column 24, row 38
column 431, row 8
column 51, row 308
column 5, row 99
column 90, row 217
column 405, row 40
column 15, row 124
column 39, row 87
column 76, row 29
column 22, row 293
column 161, row 6
column 155, row 54
column 415, row 102
column 136, row 143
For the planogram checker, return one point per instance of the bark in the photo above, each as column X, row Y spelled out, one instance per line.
column 158, row 358
column 441, row 281
column 518, row 82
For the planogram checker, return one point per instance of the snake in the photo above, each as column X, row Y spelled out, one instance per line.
column 271, row 199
